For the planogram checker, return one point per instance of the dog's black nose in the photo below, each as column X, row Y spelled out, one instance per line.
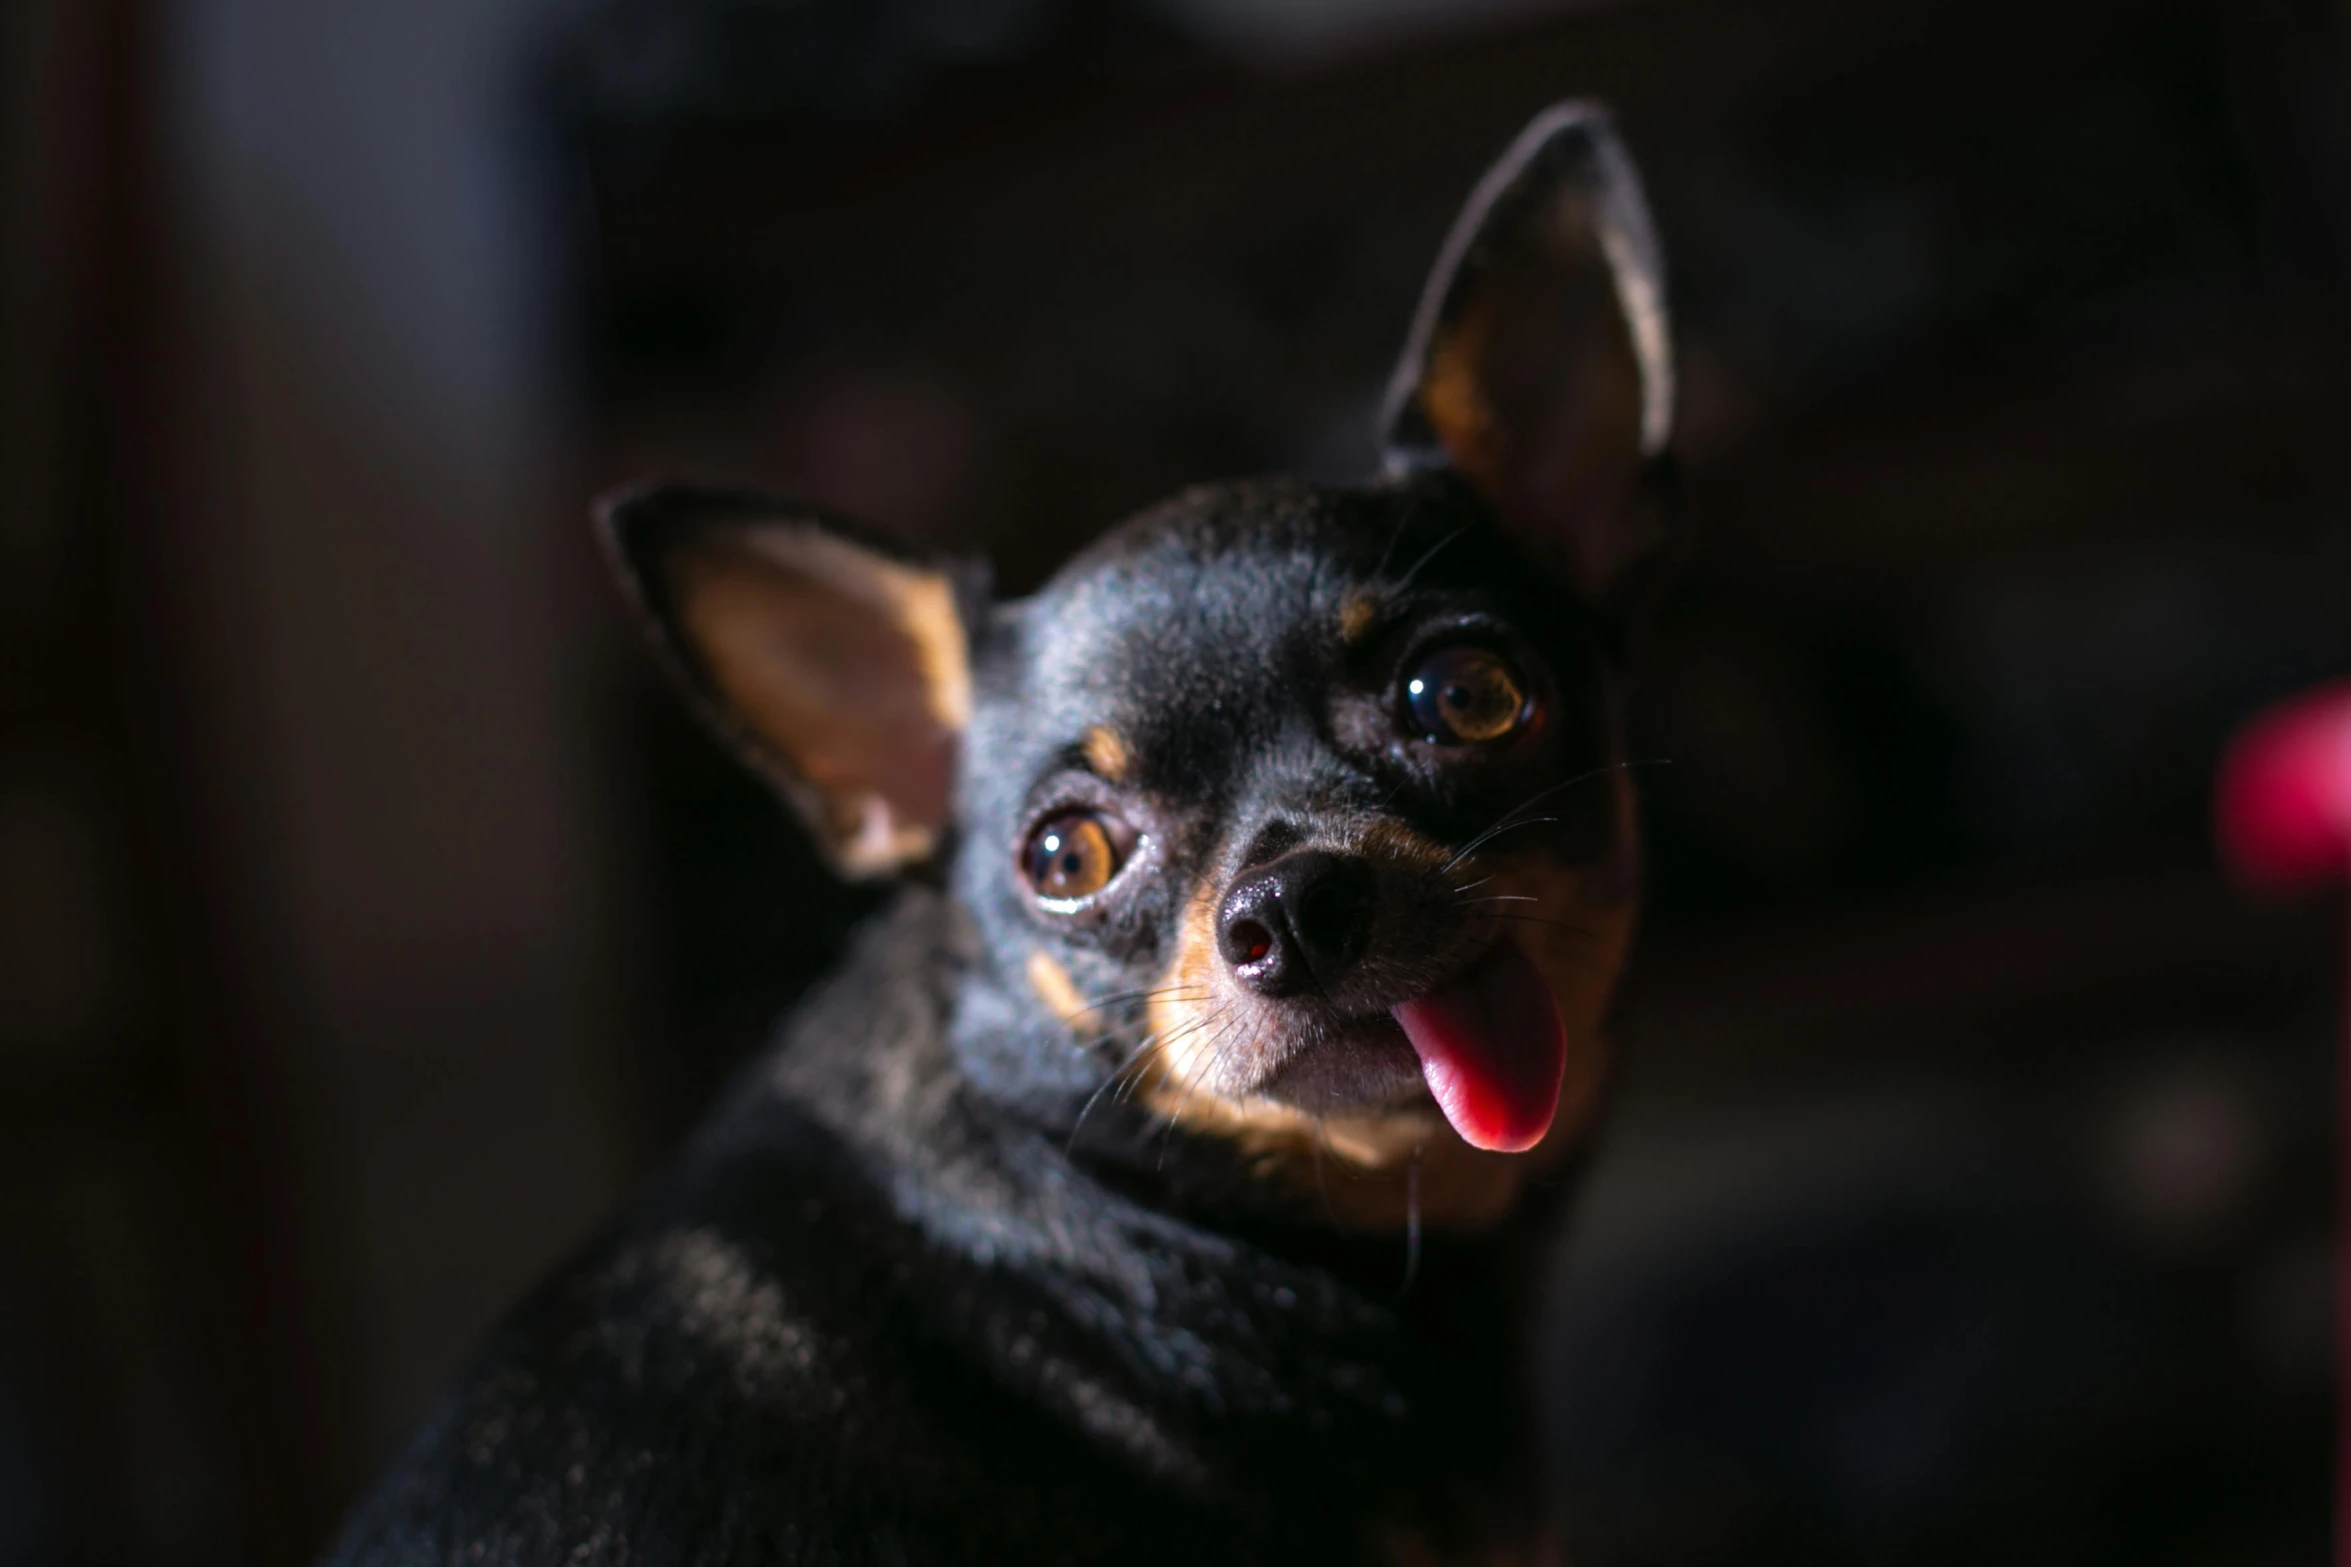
column 1297, row 924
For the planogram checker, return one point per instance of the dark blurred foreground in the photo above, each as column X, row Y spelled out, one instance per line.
column 370, row 919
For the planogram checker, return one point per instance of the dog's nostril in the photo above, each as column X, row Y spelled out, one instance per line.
column 1329, row 918
column 1253, row 932
column 1298, row 923
column 1333, row 918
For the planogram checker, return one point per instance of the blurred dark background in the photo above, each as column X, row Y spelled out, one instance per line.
column 370, row 919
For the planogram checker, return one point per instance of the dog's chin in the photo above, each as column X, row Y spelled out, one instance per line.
column 1355, row 1068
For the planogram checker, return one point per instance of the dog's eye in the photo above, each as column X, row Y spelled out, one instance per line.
column 1070, row 857
column 1466, row 695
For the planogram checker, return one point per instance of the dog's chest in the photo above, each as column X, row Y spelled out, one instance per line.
column 965, row 1291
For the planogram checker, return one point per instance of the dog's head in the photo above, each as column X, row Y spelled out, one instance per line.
column 1296, row 816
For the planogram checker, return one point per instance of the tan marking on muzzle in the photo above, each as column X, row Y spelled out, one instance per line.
column 1575, row 924
column 1576, row 930
column 1391, row 844
column 1052, row 984
column 1182, row 1016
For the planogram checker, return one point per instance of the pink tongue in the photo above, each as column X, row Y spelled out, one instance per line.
column 1493, row 1049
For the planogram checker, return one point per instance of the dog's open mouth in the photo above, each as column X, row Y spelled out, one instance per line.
column 1492, row 1049
column 1486, row 1048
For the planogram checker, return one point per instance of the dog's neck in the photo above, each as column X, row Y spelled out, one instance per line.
column 881, row 1055
column 1210, row 1343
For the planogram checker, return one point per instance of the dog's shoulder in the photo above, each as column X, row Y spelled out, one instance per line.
column 770, row 1359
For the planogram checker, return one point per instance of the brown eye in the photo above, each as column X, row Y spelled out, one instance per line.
column 1070, row 857
column 1466, row 695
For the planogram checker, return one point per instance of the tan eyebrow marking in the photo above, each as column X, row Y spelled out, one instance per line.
column 1106, row 752
column 1356, row 617
column 1052, row 984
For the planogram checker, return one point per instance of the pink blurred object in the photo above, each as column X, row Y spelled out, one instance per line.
column 2283, row 802
column 2282, row 810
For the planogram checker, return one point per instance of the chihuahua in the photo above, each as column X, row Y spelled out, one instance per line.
column 1150, row 1184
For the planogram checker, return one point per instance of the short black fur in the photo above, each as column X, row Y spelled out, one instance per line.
column 939, row 1280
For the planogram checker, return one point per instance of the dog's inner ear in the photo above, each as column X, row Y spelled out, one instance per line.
column 1539, row 365
column 847, row 672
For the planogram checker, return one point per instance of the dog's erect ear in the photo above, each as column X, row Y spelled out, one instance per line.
column 1540, row 363
column 837, row 663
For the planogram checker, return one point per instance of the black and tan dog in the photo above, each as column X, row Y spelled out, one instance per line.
column 1265, row 876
